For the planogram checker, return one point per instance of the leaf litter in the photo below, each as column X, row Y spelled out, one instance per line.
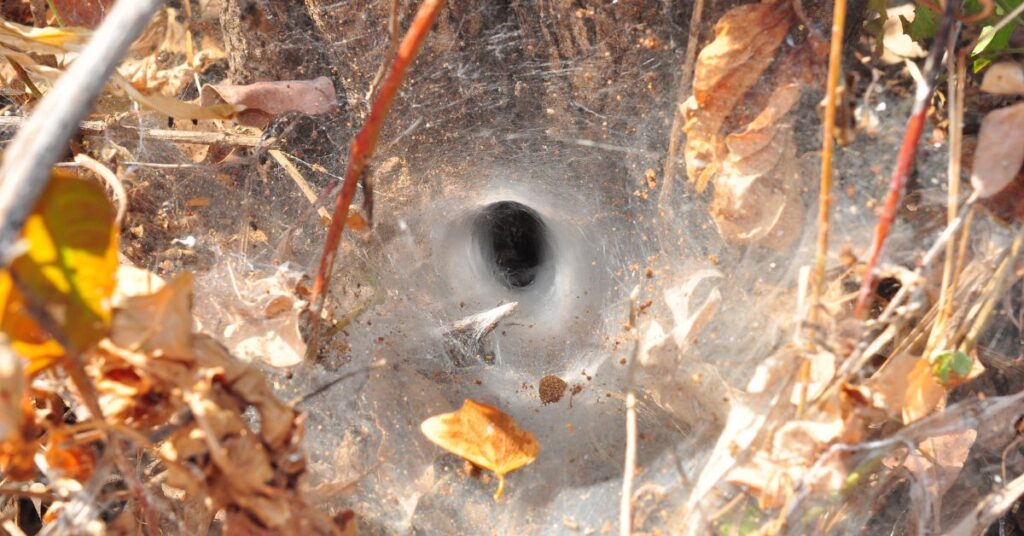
column 806, row 428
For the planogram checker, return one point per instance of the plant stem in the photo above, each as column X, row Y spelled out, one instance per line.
column 835, row 60
column 907, row 155
column 362, row 152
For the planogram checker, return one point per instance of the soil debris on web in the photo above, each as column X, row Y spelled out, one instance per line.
column 551, row 389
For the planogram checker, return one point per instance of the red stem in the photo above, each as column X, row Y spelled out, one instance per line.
column 362, row 152
column 904, row 165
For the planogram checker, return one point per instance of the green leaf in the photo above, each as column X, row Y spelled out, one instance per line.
column 986, row 49
column 924, row 25
column 68, row 268
column 945, row 364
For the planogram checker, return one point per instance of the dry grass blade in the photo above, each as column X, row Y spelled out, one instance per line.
column 629, row 465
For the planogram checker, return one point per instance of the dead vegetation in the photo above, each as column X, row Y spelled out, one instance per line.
column 117, row 414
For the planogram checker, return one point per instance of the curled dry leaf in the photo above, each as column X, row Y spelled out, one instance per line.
column 757, row 199
column 154, row 366
column 678, row 380
column 157, row 324
column 897, row 45
column 796, row 447
column 485, row 436
column 1004, row 78
column 746, row 39
column 263, row 101
column 938, row 460
column 261, row 321
column 160, row 60
column 1000, row 151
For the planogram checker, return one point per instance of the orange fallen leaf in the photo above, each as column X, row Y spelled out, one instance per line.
column 485, row 436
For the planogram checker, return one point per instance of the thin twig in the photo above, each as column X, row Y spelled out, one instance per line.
column 56, row 14
column 907, row 155
column 828, row 141
column 685, row 89
column 300, row 181
column 390, row 54
column 955, row 88
column 40, row 142
column 629, row 466
column 295, row 403
column 111, row 179
column 362, row 152
column 103, row 128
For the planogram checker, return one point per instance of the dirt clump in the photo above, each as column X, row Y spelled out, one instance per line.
column 551, row 389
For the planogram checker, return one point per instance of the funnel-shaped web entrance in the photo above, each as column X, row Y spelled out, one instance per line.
column 513, row 242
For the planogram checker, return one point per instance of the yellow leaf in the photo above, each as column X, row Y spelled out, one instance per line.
column 49, row 40
column 69, row 266
column 485, row 436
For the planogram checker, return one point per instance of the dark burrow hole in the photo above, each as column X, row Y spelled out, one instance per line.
column 513, row 241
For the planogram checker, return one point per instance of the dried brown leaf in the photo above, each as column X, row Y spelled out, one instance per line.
column 263, row 101
column 757, row 194
column 17, row 424
column 1004, row 78
column 938, row 460
column 746, row 40
column 157, row 324
column 1000, row 151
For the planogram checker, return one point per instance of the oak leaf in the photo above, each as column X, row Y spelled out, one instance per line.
column 485, row 436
